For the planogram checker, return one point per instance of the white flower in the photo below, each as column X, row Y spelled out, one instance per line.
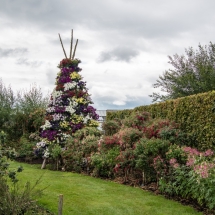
column 56, row 94
column 46, row 125
column 46, row 153
column 65, row 136
column 86, row 118
column 68, row 86
column 74, row 103
column 56, row 101
column 57, row 116
column 41, row 144
column 70, row 109
column 50, row 109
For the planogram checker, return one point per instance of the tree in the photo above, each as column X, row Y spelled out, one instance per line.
column 191, row 74
column 7, row 102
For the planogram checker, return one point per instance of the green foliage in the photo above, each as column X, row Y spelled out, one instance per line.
column 76, row 157
column 87, row 131
column 190, row 75
column 30, row 100
column 7, row 101
column 122, row 114
column 111, row 127
column 193, row 114
column 13, row 199
column 104, row 162
column 17, row 201
column 25, row 149
column 176, row 152
column 190, row 175
column 2, row 138
column 128, row 137
column 22, row 113
column 137, row 120
column 145, row 152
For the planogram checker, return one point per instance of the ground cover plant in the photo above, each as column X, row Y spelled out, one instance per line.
column 87, row 195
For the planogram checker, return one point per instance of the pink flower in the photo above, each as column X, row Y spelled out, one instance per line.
column 203, row 169
column 209, row 152
column 190, row 161
column 172, row 161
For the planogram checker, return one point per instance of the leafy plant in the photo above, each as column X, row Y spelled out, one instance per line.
column 111, row 127
column 145, row 152
column 104, row 162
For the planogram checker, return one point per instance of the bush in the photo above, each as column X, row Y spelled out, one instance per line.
column 25, row 149
column 190, row 179
column 137, row 120
column 128, row 137
column 76, row 156
column 111, row 127
column 104, row 162
column 145, row 152
column 13, row 200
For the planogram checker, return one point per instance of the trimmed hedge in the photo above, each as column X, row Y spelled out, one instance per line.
column 193, row 113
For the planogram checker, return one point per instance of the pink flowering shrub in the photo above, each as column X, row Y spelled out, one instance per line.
column 191, row 174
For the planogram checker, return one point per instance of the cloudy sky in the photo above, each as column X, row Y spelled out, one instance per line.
column 123, row 44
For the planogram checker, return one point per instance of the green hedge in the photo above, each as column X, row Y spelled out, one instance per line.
column 193, row 113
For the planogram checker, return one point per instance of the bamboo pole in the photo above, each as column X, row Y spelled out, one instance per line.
column 43, row 164
column 71, row 45
column 60, row 205
column 75, row 49
column 62, row 46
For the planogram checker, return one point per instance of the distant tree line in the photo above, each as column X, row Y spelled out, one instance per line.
column 21, row 112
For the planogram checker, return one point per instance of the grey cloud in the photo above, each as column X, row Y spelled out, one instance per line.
column 118, row 54
column 12, row 52
column 137, row 19
column 50, row 77
column 25, row 61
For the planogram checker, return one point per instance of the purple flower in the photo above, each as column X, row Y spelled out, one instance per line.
column 66, row 71
column 60, row 109
column 49, row 134
column 64, row 79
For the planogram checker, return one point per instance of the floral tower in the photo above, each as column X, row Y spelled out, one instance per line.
column 69, row 108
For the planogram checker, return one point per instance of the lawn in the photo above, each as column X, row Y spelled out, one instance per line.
column 87, row 195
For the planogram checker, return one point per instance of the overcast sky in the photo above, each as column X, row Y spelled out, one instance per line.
column 123, row 44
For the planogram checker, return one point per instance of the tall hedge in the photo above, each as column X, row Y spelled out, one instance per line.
column 193, row 113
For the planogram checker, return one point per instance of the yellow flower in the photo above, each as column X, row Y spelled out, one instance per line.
column 75, row 75
column 93, row 123
column 80, row 100
column 76, row 118
column 64, row 124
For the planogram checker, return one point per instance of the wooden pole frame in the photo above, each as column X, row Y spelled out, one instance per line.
column 71, row 55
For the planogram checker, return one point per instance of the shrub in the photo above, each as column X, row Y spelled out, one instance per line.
column 13, row 200
column 192, row 179
column 104, row 163
column 76, row 156
column 25, row 149
column 145, row 152
column 137, row 120
column 111, row 127
column 128, row 137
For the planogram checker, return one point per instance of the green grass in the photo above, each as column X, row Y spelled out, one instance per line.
column 87, row 195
